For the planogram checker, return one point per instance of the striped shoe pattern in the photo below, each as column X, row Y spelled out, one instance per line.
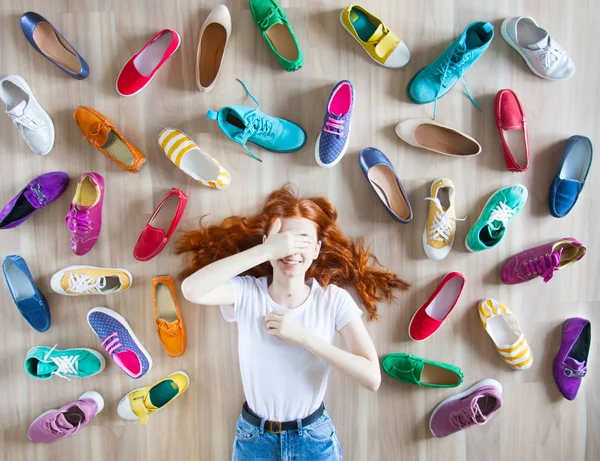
column 177, row 145
column 502, row 326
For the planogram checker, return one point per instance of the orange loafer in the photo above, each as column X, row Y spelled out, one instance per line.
column 102, row 134
column 167, row 315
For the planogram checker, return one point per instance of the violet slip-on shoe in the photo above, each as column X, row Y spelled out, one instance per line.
column 37, row 194
column 475, row 406
column 54, row 425
column 85, row 213
column 541, row 261
column 570, row 179
column 570, row 364
column 382, row 177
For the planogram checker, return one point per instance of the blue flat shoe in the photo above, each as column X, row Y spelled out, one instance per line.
column 385, row 182
column 568, row 182
column 28, row 298
column 242, row 124
column 50, row 43
column 435, row 80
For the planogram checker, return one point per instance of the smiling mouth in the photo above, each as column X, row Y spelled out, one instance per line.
column 290, row 261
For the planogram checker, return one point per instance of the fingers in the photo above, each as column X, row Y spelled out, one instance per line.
column 274, row 332
column 272, row 324
column 274, row 315
column 275, row 227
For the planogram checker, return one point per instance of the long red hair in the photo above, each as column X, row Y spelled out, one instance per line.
column 342, row 261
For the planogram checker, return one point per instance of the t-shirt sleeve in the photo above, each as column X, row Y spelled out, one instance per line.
column 346, row 309
column 242, row 288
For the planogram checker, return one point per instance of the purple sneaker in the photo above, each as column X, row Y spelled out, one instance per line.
column 476, row 405
column 120, row 342
column 54, row 425
column 541, row 261
column 570, row 363
column 334, row 137
column 85, row 213
column 37, row 194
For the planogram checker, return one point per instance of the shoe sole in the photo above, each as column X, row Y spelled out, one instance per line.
column 122, row 320
column 151, row 78
column 483, row 208
column 485, row 382
column 368, row 54
column 425, row 229
column 508, row 40
column 55, row 280
column 339, row 158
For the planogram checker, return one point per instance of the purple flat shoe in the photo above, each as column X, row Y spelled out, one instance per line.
column 570, row 363
column 37, row 194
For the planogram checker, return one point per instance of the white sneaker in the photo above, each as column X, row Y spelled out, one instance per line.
column 34, row 124
column 545, row 57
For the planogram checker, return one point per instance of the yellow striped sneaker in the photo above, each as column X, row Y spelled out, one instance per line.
column 502, row 326
column 192, row 160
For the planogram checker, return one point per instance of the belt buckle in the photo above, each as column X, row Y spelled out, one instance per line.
column 274, row 427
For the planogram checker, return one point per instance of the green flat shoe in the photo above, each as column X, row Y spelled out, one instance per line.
column 422, row 372
column 273, row 24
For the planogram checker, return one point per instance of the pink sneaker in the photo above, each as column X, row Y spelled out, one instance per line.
column 541, row 261
column 54, row 425
column 85, row 213
column 476, row 405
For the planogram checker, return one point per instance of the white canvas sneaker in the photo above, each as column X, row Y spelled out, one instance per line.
column 34, row 124
column 544, row 57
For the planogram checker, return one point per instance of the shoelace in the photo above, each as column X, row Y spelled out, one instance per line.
column 545, row 265
column 94, row 132
column 442, row 223
column 66, row 364
column 453, row 60
column 79, row 221
column 550, row 55
column 502, row 212
column 112, row 343
column 50, row 425
column 168, row 328
column 255, row 124
column 86, row 284
column 575, row 372
column 334, row 125
column 29, row 121
column 39, row 196
column 265, row 22
column 467, row 416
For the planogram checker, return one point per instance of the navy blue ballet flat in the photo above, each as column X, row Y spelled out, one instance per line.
column 50, row 43
column 385, row 182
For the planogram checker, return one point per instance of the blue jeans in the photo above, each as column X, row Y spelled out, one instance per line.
column 315, row 442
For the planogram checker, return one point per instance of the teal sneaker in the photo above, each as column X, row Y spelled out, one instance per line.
column 500, row 209
column 242, row 124
column 44, row 363
column 435, row 80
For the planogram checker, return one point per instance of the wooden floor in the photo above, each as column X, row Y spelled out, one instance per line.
column 392, row 424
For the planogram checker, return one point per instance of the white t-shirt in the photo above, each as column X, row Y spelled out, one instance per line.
column 283, row 382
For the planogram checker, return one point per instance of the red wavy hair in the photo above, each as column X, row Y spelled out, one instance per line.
column 342, row 261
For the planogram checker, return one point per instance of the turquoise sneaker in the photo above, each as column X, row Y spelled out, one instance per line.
column 435, row 80
column 44, row 363
column 242, row 124
column 490, row 228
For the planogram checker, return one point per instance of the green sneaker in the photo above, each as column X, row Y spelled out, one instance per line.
column 44, row 363
column 422, row 372
column 500, row 209
column 276, row 30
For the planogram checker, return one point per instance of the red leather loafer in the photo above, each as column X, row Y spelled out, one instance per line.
column 161, row 225
column 431, row 315
column 512, row 128
column 140, row 69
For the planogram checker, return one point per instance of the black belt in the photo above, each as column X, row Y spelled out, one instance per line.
column 275, row 427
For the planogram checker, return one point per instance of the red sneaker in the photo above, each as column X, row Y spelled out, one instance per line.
column 161, row 225
column 430, row 316
column 512, row 128
column 142, row 66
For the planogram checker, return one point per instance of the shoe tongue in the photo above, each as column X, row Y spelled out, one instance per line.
column 377, row 35
column 18, row 110
column 62, row 423
column 542, row 44
column 573, row 364
column 45, row 368
column 81, row 208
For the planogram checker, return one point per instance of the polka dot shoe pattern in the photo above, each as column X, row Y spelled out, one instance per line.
column 333, row 140
column 120, row 342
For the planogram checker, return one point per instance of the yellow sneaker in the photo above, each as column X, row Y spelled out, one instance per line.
column 90, row 280
column 438, row 235
column 141, row 403
column 377, row 40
